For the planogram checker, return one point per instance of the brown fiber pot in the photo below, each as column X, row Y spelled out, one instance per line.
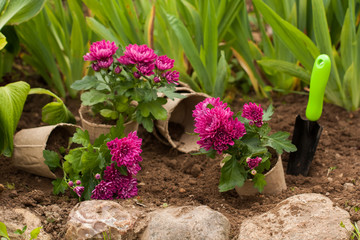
column 29, row 145
column 95, row 129
column 179, row 111
column 275, row 180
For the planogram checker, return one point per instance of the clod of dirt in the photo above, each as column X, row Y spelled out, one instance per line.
column 2, row 188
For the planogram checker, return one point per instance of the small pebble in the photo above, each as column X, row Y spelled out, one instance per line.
column 349, row 187
column 327, row 193
column 2, row 188
column 13, row 194
column 182, row 190
column 330, row 179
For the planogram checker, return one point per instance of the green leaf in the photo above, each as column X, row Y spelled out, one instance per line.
column 298, row 43
column 101, row 30
column 117, row 131
column 232, row 174
column 3, row 41
column 100, row 140
column 3, row 231
column 81, row 137
column 19, row 11
column 252, row 142
column 60, row 185
column 170, row 93
column 12, row 99
column 146, row 122
column 268, row 113
column 93, row 97
column 19, row 231
column 35, row 233
column 280, row 142
column 259, row 181
column 85, row 83
column 155, row 108
column 285, row 67
column 90, row 160
column 52, row 159
column 57, row 112
column 74, row 157
column 222, row 76
column 107, row 113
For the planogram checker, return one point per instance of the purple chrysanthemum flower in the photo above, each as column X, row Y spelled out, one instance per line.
column 126, row 151
column 102, row 52
column 146, row 68
column 111, row 173
column 171, row 77
column 254, row 113
column 137, row 54
column 79, row 190
column 95, row 67
column 253, row 162
column 164, row 63
column 202, row 107
column 104, row 190
column 126, row 187
column 216, row 127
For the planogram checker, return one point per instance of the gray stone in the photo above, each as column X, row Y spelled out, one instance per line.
column 92, row 219
column 306, row 216
column 186, row 223
column 17, row 218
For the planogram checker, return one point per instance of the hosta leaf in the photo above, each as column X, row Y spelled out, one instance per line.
column 3, row 41
column 232, row 174
column 56, row 112
column 12, row 99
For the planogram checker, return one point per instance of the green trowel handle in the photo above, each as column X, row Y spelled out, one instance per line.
column 319, row 77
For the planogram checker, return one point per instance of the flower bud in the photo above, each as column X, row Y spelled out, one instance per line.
column 136, row 75
column 78, row 182
column 97, row 176
column 157, row 79
column 117, row 70
column 71, row 183
column 253, row 172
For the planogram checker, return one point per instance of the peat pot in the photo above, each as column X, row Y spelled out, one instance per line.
column 275, row 182
column 96, row 129
column 179, row 115
column 29, row 145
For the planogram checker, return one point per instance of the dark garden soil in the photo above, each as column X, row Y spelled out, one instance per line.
column 171, row 178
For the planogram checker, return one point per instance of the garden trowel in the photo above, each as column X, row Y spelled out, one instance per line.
column 307, row 132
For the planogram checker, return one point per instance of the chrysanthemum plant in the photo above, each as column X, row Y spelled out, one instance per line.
column 244, row 139
column 103, row 170
column 128, row 86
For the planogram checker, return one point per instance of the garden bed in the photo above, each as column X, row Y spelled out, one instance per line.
column 171, row 178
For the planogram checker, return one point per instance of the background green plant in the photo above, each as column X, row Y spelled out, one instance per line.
column 12, row 13
column 56, row 53
column 4, row 234
column 344, row 82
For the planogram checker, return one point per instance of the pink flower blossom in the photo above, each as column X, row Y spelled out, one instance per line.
column 146, row 68
column 171, row 77
column 79, row 190
column 137, row 54
column 97, row 176
column 104, row 190
column 253, row 162
column 164, row 63
column 202, row 107
column 78, row 182
column 102, row 52
column 253, row 113
column 216, row 127
column 157, row 79
column 126, row 151
column 71, row 183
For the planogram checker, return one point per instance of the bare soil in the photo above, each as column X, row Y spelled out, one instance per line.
column 169, row 177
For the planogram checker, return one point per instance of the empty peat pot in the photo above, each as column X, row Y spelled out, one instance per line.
column 30, row 143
